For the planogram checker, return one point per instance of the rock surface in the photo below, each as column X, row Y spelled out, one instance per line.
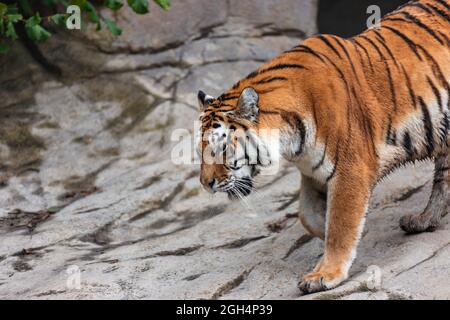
column 87, row 182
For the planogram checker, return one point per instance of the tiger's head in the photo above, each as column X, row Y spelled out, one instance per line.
column 228, row 144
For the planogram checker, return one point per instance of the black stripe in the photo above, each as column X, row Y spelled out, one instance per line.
column 366, row 52
column 328, row 43
column 271, row 79
column 422, row 25
column 295, row 122
column 394, row 136
column 336, row 160
column 428, row 126
column 382, row 57
column 407, row 145
column 226, row 98
column 388, row 71
column 390, row 139
column 276, row 67
column 411, row 44
column 422, row 7
column 439, row 11
column 320, row 163
column 361, row 60
column 410, row 89
column 445, row 4
column 347, row 87
column 283, row 66
column 436, row 93
column 341, row 74
column 436, row 69
column 346, row 53
column 365, row 123
column 418, row 23
column 306, row 49
column 314, row 115
column 444, row 169
column 382, row 41
column 447, row 39
column 254, row 145
column 252, row 75
column 444, row 128
column 226, row 110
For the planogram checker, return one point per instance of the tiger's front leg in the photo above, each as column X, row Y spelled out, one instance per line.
column 348, row 196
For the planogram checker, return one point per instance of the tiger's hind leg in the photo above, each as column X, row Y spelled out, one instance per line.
column 439, row 203
column 312, row 207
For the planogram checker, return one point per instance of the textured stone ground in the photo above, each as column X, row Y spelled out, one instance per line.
column 86, row 177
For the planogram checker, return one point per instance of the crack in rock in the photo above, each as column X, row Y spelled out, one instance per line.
column 408, row 194
column 293, row 198
column 193, row 277
column 161, row 203
column 239, row 243
column 304, row 239
column 232, row 284
column 434, row 254
column 280, row 224
column 177, row 252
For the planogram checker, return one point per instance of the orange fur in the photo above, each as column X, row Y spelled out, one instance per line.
column 371, row 102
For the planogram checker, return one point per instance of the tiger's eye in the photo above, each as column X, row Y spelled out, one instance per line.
column 216, row 125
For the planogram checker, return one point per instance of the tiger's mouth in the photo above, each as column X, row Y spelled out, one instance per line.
column 239, row 188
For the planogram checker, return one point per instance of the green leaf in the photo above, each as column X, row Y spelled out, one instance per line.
column 26, row 8
column 81, row 3
column 112, row 27
column 139, row 6
column 3, row 9
column 114, row 4
column 58, row 19
column 12, row 9
column 33, row 21
column 93, row 15
column 34, row 30
column 11, row 31
column 14, row 17
column 3, row 48
column 165, row 4
column 53, row 210
column 50, row 3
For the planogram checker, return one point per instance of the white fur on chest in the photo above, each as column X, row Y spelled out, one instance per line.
column 314, row 164
column 313, row 161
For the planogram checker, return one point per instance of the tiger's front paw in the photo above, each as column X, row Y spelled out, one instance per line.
column 320, row 281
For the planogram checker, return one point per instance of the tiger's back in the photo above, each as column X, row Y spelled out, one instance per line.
column 386, row 90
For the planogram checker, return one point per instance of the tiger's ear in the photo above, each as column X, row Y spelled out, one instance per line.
column 248, row 104
column 203, row 100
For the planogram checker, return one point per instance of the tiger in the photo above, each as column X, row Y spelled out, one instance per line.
column 349, row 112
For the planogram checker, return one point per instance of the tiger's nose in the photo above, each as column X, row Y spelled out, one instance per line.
column 209, row 184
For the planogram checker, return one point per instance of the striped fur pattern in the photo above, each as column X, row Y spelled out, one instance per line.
column 350, row 111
